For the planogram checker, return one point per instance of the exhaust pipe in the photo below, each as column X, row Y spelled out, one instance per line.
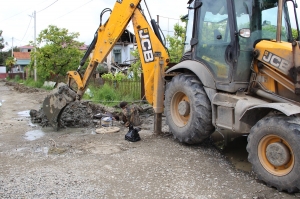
column 279, row 21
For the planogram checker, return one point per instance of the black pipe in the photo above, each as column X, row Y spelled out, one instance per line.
column 156, row 31
column 89, row 50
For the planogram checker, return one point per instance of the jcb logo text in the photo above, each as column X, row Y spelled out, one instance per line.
column 276, row 61
column 146, row 45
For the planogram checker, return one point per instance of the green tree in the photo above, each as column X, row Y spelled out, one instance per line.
column 176, row 43
column 59, row 52
column 10, row 62
column 295, row 33
column 1, row 47
column 136, row 67
column 5, row 54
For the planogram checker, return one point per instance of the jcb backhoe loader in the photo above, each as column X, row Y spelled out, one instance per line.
column 240, row 74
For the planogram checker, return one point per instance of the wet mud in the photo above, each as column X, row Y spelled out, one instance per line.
column 234, row 150
column 77, row 114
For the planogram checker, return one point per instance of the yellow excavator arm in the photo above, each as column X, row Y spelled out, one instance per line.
column 154, row 59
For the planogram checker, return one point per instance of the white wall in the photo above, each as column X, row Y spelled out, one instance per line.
column 2, row 69
column 126, row 53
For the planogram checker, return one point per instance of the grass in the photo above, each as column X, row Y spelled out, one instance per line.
column 108, row 95
column 35, row 84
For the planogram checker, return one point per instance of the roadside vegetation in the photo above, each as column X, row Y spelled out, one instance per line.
column 57, row 52
column 117, row 87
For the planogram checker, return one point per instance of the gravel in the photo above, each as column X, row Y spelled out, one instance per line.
column 78, row 163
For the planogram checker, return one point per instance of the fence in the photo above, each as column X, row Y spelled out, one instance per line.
column 13, row 75
column 127, row 87
column 135, row 89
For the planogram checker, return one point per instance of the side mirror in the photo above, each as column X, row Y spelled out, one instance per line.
column 245, row 32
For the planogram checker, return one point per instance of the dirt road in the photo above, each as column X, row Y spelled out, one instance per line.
column 38, row 162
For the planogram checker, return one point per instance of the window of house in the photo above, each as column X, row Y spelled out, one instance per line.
column 117, row 56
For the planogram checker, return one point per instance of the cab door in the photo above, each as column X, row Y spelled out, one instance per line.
column 215, row 44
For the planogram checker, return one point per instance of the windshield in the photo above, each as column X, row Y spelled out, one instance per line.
column 189, row 29
column 293, row 18
column 262, row 16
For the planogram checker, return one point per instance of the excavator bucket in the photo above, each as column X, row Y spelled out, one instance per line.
column 54, row 104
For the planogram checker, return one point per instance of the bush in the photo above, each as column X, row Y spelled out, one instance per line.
column 114, row 77
column 107, row 95
column 17, row 79
column 36, row 84
column 108, row 76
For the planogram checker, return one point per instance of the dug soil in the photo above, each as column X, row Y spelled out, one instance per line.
column 38, row 162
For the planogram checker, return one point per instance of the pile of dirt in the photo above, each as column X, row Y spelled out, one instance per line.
column 38, row 117
column 22, row 88
column 77, row 114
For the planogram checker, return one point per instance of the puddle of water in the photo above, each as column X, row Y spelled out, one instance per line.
column 235, row 151
column 33, row 135
column 24, row 113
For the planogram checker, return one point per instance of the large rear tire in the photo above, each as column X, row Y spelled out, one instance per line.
column 274, row 152
column 188, row 109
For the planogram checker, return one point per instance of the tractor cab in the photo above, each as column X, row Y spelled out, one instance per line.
column 221, row 34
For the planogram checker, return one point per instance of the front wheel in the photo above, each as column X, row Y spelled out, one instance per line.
column 188, row 109
column 274, row 152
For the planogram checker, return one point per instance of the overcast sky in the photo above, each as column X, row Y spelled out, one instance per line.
column 76, row 16
column 82, row 16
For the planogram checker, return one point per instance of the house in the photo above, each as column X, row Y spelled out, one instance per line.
column 120, row 57
column 22, row 60
column 26, row 48
column 3, row 73
column 84, row 47
column 121, row 52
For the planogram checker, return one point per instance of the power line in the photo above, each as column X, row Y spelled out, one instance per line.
column 27, row 28
column 15, row 14
column 47, row 6
column 20, row 12
column 73, row 10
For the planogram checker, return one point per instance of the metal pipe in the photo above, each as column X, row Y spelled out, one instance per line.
column 158, row 95
column 157, row 123
column 269, row 96
column 279, row 21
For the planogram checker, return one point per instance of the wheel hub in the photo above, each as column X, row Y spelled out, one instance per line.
column 277, row 154
column 184, row 108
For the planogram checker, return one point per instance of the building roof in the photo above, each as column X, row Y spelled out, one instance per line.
column 27, row 47
column 83, row 47
column 22, row 55
column 127, row 36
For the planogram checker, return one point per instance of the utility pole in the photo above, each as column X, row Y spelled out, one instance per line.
column 34, row 37
column 12, row 47
column 35, row 74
